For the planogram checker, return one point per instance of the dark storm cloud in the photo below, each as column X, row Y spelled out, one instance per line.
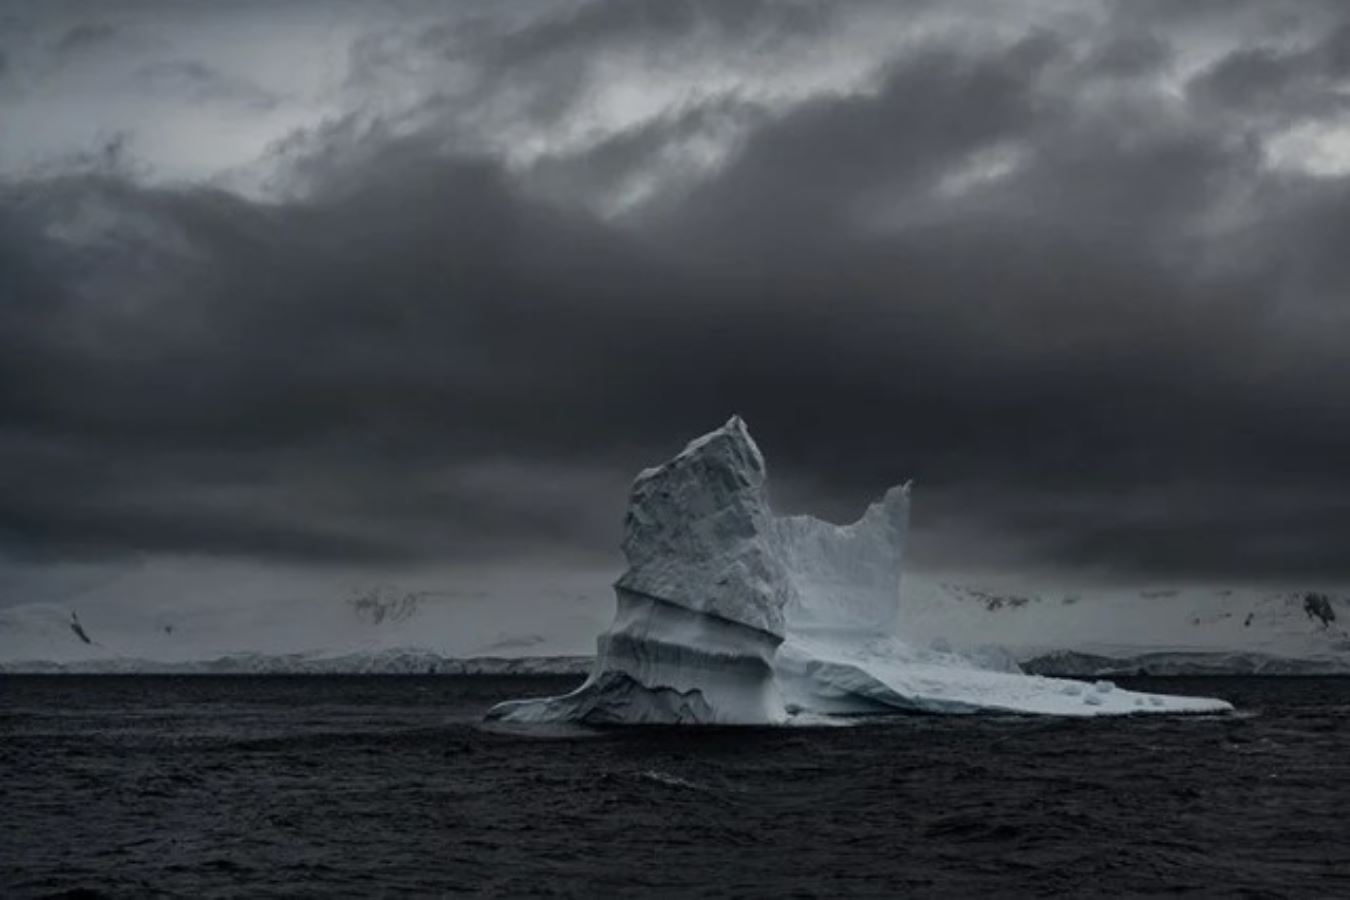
column 1130, row 56
column 503, row 68
column 201, row 84
column 79, row 38
column 1097, row 330
column 180, row 363
column 643, row 25
column 1278, row 80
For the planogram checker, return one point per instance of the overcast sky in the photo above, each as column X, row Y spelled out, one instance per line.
column 394, row 285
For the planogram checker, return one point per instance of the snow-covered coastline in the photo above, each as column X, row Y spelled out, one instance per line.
column 1201, row 630
column 388, row 662
column 1060, row 663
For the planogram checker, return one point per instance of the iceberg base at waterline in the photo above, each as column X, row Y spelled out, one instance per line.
column 730, row 615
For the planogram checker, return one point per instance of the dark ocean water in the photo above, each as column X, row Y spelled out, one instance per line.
column 382, row 786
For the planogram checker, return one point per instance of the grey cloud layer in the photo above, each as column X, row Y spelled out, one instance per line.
column 1082, row 308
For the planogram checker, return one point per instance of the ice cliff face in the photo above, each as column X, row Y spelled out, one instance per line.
column 702, row 606
column 730, row 615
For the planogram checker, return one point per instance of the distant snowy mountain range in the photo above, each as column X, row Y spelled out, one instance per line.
column 380, row 662
column 1192, row 630
column 1203, row 630
column 382, row 629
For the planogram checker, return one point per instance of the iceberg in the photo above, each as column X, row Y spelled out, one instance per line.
column 730, row 615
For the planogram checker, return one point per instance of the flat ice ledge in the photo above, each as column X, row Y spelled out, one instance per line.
column 728, row 614
column 882, row 676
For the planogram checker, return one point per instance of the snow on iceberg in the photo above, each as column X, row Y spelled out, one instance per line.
column 728, row 614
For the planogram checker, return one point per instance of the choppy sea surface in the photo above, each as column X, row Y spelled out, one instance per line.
column 386, row 786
